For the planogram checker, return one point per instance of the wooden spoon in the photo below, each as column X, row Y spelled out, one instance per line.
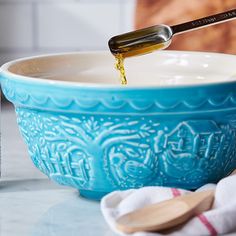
column 166, row 214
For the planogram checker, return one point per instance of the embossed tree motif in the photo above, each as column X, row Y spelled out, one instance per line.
column 98, row 135
column 78, row 146
column 86, row 150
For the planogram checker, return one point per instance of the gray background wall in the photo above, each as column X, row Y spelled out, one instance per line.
column 31, row 27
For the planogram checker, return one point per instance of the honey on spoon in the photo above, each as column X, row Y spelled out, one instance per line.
column 157, row 37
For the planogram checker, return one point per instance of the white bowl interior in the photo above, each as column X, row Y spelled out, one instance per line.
column 163, row 68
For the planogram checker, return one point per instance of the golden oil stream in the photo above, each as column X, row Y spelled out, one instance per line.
column 134, row 52
column 120, row 67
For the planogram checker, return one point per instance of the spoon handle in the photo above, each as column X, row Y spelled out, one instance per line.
column 203, row 22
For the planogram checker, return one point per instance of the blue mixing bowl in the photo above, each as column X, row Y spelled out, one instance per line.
column 174, row 124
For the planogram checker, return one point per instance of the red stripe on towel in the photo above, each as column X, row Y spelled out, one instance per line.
column 208, row 225
column 211, row 229
column 175, row 192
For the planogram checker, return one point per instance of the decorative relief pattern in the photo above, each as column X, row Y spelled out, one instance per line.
column 118, row 152
column 35, row 98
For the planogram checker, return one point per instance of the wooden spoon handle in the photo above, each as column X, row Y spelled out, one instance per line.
column 167, row 214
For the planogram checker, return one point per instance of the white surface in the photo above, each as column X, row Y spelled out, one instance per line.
column 163, row 68
column 50, row 213
column 15, row 27
column 31, row 205
column 219, row 220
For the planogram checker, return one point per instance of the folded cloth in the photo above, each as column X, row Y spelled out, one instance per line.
column 221, row 219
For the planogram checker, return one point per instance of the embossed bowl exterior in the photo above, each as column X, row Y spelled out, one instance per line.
column 103, row 138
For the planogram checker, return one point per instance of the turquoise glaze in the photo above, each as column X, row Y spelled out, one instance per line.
column 103, row 138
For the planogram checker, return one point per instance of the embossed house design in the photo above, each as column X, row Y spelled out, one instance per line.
column 200, row 137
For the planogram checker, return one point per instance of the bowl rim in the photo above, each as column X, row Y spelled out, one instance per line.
column 4, row 72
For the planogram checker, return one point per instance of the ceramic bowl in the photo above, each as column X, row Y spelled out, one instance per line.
column 174, row 124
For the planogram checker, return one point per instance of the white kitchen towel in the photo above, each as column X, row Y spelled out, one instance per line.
column 220, row 220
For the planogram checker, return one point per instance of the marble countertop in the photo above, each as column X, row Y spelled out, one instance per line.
column 32, row 205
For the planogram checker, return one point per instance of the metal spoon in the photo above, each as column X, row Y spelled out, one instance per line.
column 159, row 37
column 166, row 214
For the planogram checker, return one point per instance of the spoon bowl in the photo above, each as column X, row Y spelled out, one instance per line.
column 142, row 41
